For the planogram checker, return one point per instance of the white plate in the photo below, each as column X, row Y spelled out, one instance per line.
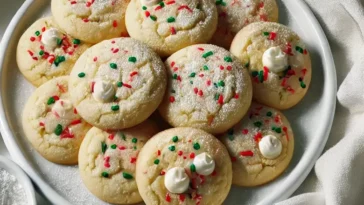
column 311, row 119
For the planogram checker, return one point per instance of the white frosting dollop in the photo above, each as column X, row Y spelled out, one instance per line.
column 103, row 91
column 176, row 180
column 270, row 147
column 63, row 108
column 150, row 2
column 49, row 38
column 275, row 59
column 204, row 164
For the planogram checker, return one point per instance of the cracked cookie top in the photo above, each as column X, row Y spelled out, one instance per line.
column 184, row 166
column 91, row 20
column 260, row 146
column 107, row 162
column 168, row 26
column 52, row 124
column 117, row 83
column 45, row 52
column 207, row 89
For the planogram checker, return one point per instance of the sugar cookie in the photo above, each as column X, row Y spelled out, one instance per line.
column 117, row 83
column 208, row 89
column 45, row 52
column 261, row 146
column 51, row 123
column 107, row 162
column 183, row 166
column 168, row 26
column 278, row 61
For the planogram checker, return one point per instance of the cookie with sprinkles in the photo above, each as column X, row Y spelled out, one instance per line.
column 91, row 20
column 208, row 88
column 168, row 26
column 51, row 123
column 235, row 14
column 184, row 166
column 45, row 52
column 117, row 83
column 107, row 162
column 260, row 146
column 278, row 61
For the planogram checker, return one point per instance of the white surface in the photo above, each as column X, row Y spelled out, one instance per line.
column 311, row 119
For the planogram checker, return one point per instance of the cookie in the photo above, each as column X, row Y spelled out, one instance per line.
column 207, row 89
column 261, row 146
column 45, row 52
column 51, row 123
column 183, row 166
column 117, row 83
column 107, row 162
column 91, row 21
column 168, row 26
column 279, row 63
column 235, row 14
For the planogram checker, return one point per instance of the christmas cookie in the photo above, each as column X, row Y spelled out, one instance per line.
column 260, row 146
column 107, row 162
column 235, row 14
column 278, row 61
column 52, row 124
column 207, row 89
column 89, row 20
column 45, row 52
column 168, row 26
column 183, row 166
column 117, row 83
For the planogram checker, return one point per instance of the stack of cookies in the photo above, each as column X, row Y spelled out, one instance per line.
column 102, row 96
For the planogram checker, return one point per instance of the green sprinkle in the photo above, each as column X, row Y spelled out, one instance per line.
column 192, row 75
column 217, row 95
column 144, row 8
column 105, row 174
column 299, row 49
column 193, row 168
column 115, row 98
column 221, row 83
column 173, row 91
column 247, row 64
column 175, row 139
column 154, row 18
column 119, row 84
column 196, row 146
column 172, row 148
column 134, row 140
column 115, row 107
column 269, row 114
column 113, row 146
column 228, row 59
column 156, row 161
column 161, row 4
column 265, row 33
column 41, row 52
column 123, row 136
column 258, row 124
column 198, row 6
column 81, row 75
column 171, row 20
column 113, row 65
column 37, row 33
column 132, row 59
column 205, row 67
column 59, row 59
column 58, row 130
column 191, row 82
column 127, row 175
column 59, row 41
column 231, row 137
column 277, row 129
column 51, row 100
column 174, row 76
column 261, row 76
column 207, row 54
column 76, row 41
column 303, row 85
column 216, row 86
column 134, row 147
column 103, row 147
column 220, row 2
column 255, row 73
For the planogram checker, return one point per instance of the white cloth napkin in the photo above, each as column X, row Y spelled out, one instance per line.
column 338, row 176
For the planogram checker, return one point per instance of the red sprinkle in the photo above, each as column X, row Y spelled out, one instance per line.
column 236, row 96
column 115, row 50
column 173, row 63
column 56, row 98
column 185, row 7
column 233, row 159
column 272, row 36
column 222, row 14
column 168, row 198
column 192, row 155
column 284, row 81
column 73, row 2
column 200, row 93
column 115, row 24
column 92, row 87
column 247, row 153
column 30, row 53
column 132, row 159
column 172, row 99
column 180, row 153
column 208, row 82
column 170, row 2
column 182, row 197
column 173, row 30
column 158, row 153
column 229, row 68
column 201, row 75
column 263, row 17
column 257, row 137
column 32, row 39
column 66, row 134
column 126, row 85
column 201, row 49
column 221, row 100
column 76, row 122
column 75, row 111
column 245, row 131
column 122, row 148
column 147, row 14
column 85, row 20
column 290, row 89
column 162, row 172
column 266, row 70
column 195, row 90
column 41, row 124
column 111, row 136
column 158, row 8
column 261, row 4
column 133, row 73
column 304, row 71
column 221, row 67
column 285, row 132
column 175, row 69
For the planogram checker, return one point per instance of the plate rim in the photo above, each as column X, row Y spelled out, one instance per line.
column 301, row 170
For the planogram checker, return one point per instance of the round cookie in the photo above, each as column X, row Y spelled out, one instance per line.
column 207, row 89
column 117, row 83
column 168, row 26
column 45, row 52
column 183, row 166
column 107, row 162
column 235, row 14
column 52, row 124
column 261, row 146
column 278, row 60
column 91, row 21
